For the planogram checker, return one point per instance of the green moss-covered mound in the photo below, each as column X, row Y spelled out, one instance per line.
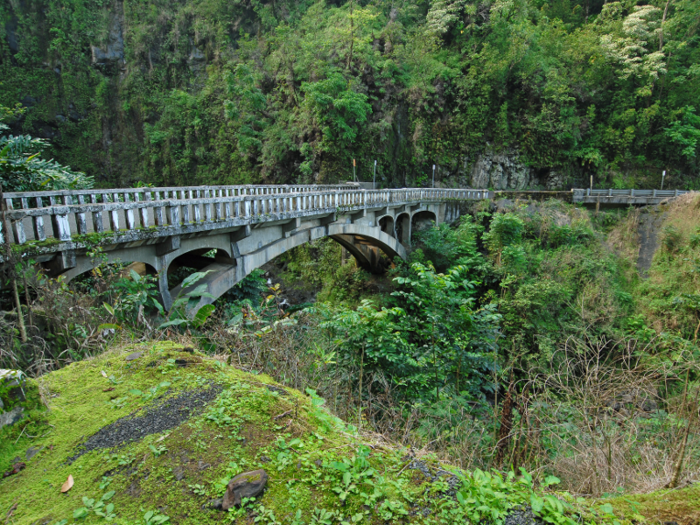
column 154, row 433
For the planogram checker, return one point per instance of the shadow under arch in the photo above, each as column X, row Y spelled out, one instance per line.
column 86, row 264
column 373, row 249
column 386, row 224
column 422, row 220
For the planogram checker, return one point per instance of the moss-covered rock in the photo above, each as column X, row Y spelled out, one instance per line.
column 162, row 434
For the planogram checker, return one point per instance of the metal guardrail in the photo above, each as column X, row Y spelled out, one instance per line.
column 580, row 194
column 58, row 215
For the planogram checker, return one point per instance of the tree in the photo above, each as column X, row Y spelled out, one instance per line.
column 22, row 168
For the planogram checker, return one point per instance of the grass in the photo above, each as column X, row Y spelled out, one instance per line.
column 663, row 506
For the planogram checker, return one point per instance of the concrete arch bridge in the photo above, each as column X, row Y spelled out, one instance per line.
column 167, row 228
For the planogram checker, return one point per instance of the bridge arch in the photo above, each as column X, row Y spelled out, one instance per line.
column 85, row 264
column 372, row 248
column 422, row 219
column 386, row 224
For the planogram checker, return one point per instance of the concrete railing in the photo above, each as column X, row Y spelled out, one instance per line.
column 58, row 215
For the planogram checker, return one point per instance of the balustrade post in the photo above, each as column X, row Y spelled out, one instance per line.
column 158, row 214
column 218, row 194
column 17, row 226
column 114, row 213
column 129, row 213
column 196, row 207
column 207, row 207
column 38, row 223
column 227, row 205
column 144, row 196
column 80, row 218
column 97, row 224
column 61, row 226
column 174, row 214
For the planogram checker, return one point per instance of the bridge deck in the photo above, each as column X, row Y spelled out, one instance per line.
column 123, row 215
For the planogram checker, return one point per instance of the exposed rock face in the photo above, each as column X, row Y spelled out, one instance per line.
column 112, row 52
column 246, row 485
column 651, row 220
column 501, row 172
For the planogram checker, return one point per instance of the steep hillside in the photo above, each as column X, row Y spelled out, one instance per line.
column 495, row 94
column 664, row 242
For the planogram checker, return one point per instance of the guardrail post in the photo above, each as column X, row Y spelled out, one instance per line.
column 159, row 212
column 17, row 226
column 97, row 223
column 207, row 207
column 227, row 205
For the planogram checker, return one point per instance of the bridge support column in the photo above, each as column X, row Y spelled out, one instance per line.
column 403, row 228
column 63, row 261
column 165, row 298
column 169, row 245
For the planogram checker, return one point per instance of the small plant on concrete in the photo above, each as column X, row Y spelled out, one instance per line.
column 184, row 305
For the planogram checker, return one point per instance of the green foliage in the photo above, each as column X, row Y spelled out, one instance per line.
column 22, row 169
column 294, row 92
column 685, row 133
column 185, row 311
column 136, row 298
column 491, row 496
column 505, row 230
column 436, row 339
column 445, row 246
column 250, row 288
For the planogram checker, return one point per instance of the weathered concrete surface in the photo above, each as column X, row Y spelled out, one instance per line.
column 242, row 246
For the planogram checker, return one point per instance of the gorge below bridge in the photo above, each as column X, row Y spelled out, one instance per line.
column 244, row 226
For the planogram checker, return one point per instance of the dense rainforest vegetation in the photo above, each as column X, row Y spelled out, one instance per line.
column 496, row 93
column 531, row 360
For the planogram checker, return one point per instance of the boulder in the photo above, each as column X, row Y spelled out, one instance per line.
column 246, row 485
column 11, row 417
column 12, row 384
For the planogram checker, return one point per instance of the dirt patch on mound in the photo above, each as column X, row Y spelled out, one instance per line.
column 168, row 414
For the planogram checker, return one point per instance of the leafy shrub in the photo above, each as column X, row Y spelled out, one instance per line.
column 671, row 239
